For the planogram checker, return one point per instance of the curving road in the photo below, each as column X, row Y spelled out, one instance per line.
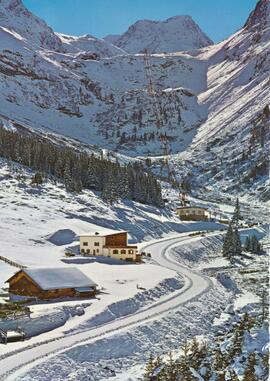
column 194, row 286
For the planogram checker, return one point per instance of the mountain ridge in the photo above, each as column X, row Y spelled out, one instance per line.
column 177, row 33
column 209, row 99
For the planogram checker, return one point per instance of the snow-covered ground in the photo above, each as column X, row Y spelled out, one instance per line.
column 195, row 286
column 147, row 298
column 38, row 223
column 186, row 312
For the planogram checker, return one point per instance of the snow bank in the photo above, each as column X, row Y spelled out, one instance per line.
column 115, row 355
column 44, row 323
column 131, row 305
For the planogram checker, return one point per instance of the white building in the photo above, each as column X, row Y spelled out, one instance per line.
column 110, row 244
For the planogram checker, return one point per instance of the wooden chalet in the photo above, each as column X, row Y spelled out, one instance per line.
column 51, row 283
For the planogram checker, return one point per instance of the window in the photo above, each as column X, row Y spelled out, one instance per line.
column 82, row 250
column 96, row 244
column 115, row 251
column 85, row 243
column 88, row 251
column 123, row 251
column 130, row 251
column 97, row 250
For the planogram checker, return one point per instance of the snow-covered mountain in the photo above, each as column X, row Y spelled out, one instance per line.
column 87, row 45
column 90, row 90
column 18, row 20
column 15, row 17
column 232, row 145
column 209, row 99
column 175, row 34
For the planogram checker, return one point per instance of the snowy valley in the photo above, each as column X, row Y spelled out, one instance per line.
column 148, row 122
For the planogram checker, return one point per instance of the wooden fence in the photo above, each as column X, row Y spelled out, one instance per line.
column 11, row 263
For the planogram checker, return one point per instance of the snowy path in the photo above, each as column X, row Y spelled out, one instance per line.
column 195, row 285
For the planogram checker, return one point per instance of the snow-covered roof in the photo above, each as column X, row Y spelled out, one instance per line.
column 61, row 277
column 102, row 233
column 191, row 207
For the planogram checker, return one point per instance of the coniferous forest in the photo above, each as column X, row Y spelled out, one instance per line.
column 80, row 170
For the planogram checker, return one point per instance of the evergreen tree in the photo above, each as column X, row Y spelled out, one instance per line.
column 221, row 376
column 67, row 177
column 236, row 346
column 228, row 243
column 149, row 370
column 249, row 374
column 79, row 170
column 264, row 305
column 170, row 372
column 255, row 246
column 91, row 181
column 236, row 215
column 218, row 359
column 237, row 248
column 265, row 363
column 233, row 376
column 37, row 179
column 247, row 243
column 110, row 190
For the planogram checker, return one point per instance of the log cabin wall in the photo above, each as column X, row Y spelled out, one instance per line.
column 22, row 285
column 59, row 293
column 119, row 239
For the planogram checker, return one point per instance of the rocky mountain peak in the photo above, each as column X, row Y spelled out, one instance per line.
column 260, row 16
column 178, row 33
column 11, row 3
column 16, row 17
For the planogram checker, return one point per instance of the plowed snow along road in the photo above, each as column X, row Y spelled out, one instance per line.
column 195, row 285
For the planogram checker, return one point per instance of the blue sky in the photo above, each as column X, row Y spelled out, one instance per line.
column 217, row 18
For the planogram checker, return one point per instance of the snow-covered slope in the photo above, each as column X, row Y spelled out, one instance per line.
column 175, row 34
column 88, row 44
column 210, row 99
column 84, row 88
column 15, row 17
column 232, row 145
column 37, row 34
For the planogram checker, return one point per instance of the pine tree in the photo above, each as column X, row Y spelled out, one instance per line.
column 170, row 372
column 149, row 370
column 197, row 353
column 255, row 246
column 236, row 215
column 228, row 244
column 37, row 179
column 67, row 177
column 91, row 181
column 249, row 374
column 233, row 376
column 247, row 243
column 236, row 346
column 221, row 376
column 237, row 248
column 264, row 305
column 265, row 363
column 218, row 359
column 79, row 170
column 110, row 190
